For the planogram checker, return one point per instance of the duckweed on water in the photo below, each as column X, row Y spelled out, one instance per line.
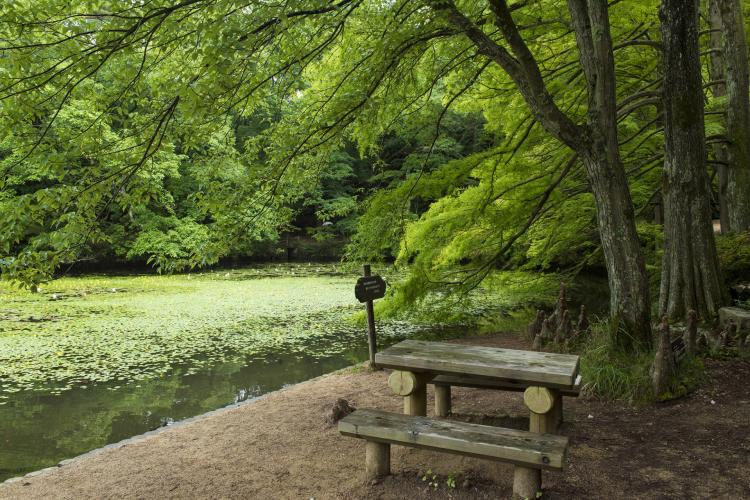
column 82, row 331
column 87, row 330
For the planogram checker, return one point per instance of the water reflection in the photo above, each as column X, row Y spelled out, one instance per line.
column 38, row 430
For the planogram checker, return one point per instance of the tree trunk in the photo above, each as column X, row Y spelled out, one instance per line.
column 663, row 367
column 626, row 271
column 734, row 47
column 718, row 89
column 595, row 143
column 690, row 268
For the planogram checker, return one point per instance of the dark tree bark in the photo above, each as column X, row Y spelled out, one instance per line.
column 719, row 89
column 691, row 333
column 628, row 282
column 734, row 49
column 595, row 143
column 690, row 268
column 663, row 367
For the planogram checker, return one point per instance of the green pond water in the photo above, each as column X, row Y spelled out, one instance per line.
column 93, row 360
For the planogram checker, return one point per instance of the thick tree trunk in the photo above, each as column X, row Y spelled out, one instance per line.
column 690, row 269
column 718, row 89
column 734, row 48
column 595, row 143
column 626, row 271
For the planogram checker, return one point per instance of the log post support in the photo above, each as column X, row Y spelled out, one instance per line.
column 543, row 404
column 557, row 409
column 442, row 400
column 415, row 404
column 377, row 459
column 545, row 414
column 526, row 483
column 413, row 387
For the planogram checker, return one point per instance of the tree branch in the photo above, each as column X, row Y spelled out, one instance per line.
column 522, row 68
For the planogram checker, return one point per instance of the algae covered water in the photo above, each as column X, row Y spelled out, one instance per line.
column 93, row 360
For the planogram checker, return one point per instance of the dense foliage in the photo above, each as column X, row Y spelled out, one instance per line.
column 179, row 133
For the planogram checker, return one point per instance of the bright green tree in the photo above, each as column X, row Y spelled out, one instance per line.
column 570, row 94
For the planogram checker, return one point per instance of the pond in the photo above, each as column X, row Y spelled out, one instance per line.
column 93, row 360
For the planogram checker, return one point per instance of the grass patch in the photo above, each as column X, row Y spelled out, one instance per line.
column 610, row 373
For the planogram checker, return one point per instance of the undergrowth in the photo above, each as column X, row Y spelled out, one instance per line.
column 611, row 373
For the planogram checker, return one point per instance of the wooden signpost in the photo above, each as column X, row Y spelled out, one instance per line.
column 367, row 289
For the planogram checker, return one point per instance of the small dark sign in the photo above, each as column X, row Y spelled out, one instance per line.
column 369, row 288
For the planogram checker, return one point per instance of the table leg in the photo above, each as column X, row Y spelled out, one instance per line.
column 558, row 409
column 543, row 405
column 442, row 400
column 413, row 387
column 415, row 404
column 543, row 415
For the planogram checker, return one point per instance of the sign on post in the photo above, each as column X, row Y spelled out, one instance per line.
column 367, row 289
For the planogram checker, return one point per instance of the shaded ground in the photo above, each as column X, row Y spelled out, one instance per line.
column 280, row 447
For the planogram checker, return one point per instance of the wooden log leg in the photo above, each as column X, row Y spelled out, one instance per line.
column 415, row 404
column 558, row 409
column 526, row 483
column 542, row 409
column 543, row 423
column 377, row 459
column 442, row 400
column 413, row 387
column 543, row 418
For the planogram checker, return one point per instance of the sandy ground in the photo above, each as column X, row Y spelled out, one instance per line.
column 280, row 447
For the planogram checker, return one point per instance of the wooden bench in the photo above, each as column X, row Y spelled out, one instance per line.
column 443, row 385
column 529, row 452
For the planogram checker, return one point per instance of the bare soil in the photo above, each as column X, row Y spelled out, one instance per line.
column 281, row 447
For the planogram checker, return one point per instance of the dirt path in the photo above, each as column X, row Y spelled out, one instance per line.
column 280, row 447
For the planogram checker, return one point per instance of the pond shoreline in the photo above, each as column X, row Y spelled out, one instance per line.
column 97, row 359
column 176, row 424
column 279, row 446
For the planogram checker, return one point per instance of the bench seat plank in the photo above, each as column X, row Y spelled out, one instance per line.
column 545, row 369
column 527, row 449
column 490, row 383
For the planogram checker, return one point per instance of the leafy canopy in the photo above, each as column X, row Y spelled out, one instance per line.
column 180, row 131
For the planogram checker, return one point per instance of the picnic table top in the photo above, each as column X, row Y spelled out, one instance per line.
column 545, row 369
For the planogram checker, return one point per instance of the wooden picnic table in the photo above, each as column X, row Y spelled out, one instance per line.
column 416, row 362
